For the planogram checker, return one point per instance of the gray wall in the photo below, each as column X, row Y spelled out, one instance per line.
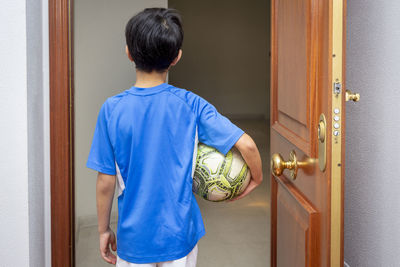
column 225, row 54
column 101, row 70
column 372, row 212
column 37, row 144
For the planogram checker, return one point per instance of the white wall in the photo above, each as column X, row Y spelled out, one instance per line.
column 372, row 212
column 101, row 70
column 225, row 54
column 24, row 163
column 14, row 211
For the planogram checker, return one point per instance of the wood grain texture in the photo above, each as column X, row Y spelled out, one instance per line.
column 61, row 134
column 293, row 46
column 293, row 71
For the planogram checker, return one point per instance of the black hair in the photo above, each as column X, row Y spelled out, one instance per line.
column 154, row 37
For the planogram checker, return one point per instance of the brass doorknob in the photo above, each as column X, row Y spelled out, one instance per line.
column 278, row 165
column 350, row 96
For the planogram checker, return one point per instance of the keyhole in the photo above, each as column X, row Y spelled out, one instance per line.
column 321, row 131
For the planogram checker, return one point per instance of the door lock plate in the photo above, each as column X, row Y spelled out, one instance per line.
column 337, row 88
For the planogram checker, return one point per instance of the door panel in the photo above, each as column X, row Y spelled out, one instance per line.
column 293, row 33
column 298, row 232
column 306, row 58
column 295, row 81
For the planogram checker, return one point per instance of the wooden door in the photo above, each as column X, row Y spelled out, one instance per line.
column 307, row 80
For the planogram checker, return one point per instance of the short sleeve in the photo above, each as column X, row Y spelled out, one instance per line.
column 101, row 157
column 216, row 130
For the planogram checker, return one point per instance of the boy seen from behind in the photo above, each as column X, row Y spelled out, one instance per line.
column 145, row 140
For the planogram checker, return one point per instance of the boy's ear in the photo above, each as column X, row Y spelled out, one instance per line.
column 178, row 57
column 128, row 54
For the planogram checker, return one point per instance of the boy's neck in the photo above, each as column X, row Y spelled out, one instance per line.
column 150, row 79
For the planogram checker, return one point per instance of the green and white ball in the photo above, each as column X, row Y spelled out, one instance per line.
column 218, row 177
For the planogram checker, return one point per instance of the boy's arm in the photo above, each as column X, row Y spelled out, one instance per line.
column 251, row 155
column 105, row 187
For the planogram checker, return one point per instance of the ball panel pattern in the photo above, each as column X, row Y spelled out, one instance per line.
column 218, row 177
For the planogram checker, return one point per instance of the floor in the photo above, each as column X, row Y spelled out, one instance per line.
column 237, row 232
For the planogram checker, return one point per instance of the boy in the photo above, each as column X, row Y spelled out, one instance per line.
column 146, row 136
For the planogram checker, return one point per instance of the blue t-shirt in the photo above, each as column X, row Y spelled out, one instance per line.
column 148, row 138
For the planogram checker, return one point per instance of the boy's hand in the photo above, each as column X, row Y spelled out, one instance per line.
column 251, row 156
column 108, row 238
column 252, row 185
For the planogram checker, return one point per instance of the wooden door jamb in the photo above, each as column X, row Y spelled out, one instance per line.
column 61, row 133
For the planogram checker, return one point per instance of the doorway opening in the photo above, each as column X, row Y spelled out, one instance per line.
column 226, row 61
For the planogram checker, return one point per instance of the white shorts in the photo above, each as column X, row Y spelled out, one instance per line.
column 187, row 261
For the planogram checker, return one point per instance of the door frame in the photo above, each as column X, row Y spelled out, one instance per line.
column 61, row 133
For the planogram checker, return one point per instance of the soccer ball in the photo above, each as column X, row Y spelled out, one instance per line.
column 218, row 177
